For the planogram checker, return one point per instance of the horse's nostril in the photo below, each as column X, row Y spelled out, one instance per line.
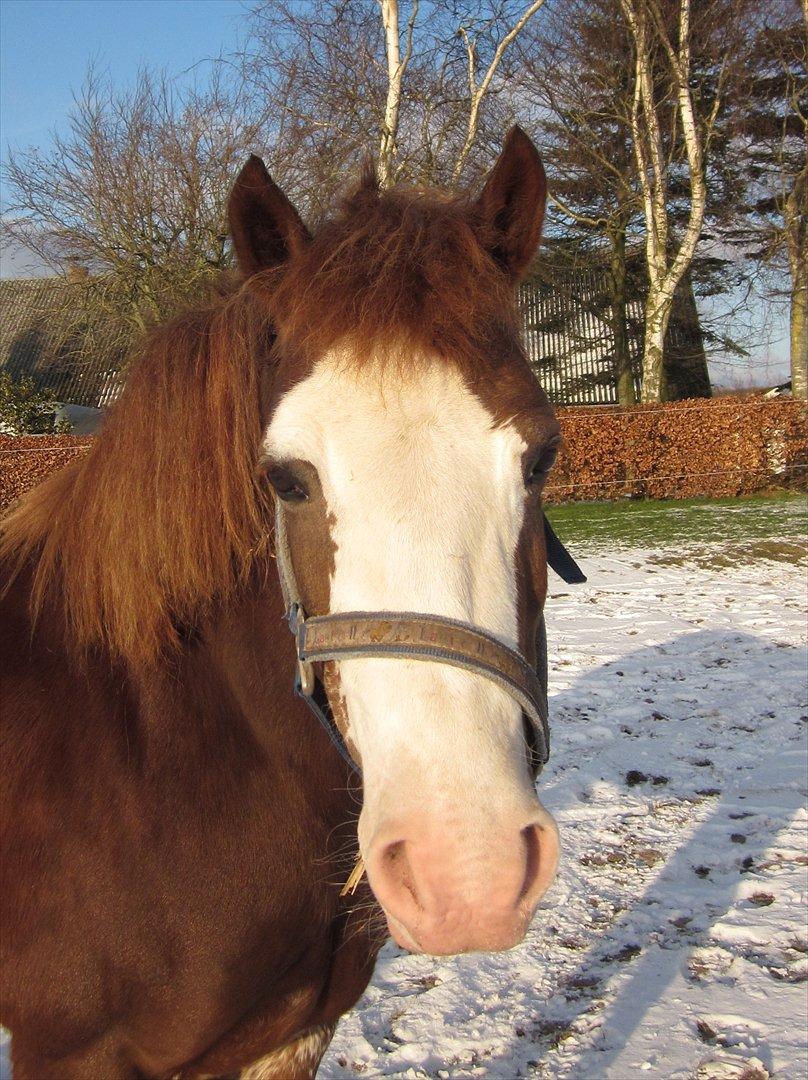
column 532, row 840
column 395, row 864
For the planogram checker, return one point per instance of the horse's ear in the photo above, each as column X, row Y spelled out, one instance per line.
column 511, row 204
column 265, row 227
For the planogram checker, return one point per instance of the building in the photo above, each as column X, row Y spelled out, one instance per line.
column 36, row 332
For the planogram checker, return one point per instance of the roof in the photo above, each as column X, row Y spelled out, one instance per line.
column 35, row 332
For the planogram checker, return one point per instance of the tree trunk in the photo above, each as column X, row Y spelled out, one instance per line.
column 654, row 383
column 387, row 144
column 799, row 333
column 797, row 240
column 686, row 369
column 665, row 267
column 617, row 303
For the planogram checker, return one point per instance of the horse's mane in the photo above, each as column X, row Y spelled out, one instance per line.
column 166, row 514
column 166, row 508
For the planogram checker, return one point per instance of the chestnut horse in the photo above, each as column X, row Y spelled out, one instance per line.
column 177, row 827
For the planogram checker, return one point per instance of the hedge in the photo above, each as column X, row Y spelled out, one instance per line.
column 27, row 459
column 685, row 449
column 713, row 447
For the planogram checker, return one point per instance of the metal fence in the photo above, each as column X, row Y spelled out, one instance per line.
column 569, row 337
column 568, row 327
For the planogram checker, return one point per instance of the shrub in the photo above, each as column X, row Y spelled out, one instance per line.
column 25, row 410
column 695, row 448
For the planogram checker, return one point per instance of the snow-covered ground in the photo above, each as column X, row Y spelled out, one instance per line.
column 674, row 942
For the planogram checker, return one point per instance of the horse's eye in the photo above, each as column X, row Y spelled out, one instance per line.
column 287, row 486
column 541, row 465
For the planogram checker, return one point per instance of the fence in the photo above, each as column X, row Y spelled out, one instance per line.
column 566, row 319
column 569, row 338
column 568, row 332
column 720, row 447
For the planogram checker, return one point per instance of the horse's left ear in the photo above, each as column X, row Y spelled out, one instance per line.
column 511, row 205
column 265, row 227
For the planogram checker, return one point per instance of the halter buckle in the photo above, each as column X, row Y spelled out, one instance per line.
column 296, row 617
column 305, row 677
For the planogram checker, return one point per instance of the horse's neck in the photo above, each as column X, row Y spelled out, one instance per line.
column 230, row 695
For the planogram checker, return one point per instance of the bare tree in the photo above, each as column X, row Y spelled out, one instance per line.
column 663, row 37
column 319, row 67
column 135, row 194
column 343, row 76
column 480, row 86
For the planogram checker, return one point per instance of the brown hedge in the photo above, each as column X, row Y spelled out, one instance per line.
column 679, row 450
column 27, row 459
column 684, row 449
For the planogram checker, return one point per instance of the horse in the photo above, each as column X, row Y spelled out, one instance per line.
column 355, row 410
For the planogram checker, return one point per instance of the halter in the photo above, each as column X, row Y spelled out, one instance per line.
column 415, row 636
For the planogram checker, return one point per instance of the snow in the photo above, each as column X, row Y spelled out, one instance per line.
column 674, row 942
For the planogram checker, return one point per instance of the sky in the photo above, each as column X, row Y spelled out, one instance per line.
column 46, row 46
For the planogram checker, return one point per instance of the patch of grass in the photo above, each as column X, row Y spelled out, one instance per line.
column 771, row 527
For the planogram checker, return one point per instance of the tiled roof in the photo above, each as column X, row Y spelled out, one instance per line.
column 27, row 308
column 34, row 326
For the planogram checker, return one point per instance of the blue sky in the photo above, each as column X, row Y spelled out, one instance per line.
column 46, row 45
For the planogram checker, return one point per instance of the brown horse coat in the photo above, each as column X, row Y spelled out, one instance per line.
column 171, row 875
column 176, row 828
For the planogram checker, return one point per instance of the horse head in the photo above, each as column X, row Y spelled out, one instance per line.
column 407, row 441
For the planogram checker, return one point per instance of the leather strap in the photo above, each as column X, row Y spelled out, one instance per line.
column 559, row 559
column 412, row 636
column 417, row 636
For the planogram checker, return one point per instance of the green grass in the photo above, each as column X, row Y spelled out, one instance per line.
column 717, row 530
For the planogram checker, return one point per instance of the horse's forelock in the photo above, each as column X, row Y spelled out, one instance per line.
column 402, row 272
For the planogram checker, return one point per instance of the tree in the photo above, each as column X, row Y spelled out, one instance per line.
column 319, row 68
column 773, row 141
column 662, row 37
column 425, row 83
column 135, row 194
column 576, row 92
column 479, row 86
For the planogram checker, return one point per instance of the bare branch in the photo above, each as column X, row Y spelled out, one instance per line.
column 477, row 90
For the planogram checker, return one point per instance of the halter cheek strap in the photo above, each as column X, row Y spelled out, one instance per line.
column 415, row 636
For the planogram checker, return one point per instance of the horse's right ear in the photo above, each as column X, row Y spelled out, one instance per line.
column 265, row 227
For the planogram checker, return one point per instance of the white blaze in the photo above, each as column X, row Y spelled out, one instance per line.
column 427, row 500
